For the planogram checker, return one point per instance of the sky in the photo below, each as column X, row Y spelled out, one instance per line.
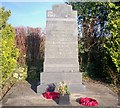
column 31, row 14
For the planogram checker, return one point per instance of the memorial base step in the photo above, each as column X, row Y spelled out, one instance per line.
column 56, row 77
column 73, row 80
column 73, row 88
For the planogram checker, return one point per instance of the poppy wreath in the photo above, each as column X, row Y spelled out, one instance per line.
column 88, row 102
column 51, row 95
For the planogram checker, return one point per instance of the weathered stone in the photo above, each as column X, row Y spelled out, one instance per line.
column 68, row 77
column 61, row 40
column 61, row 47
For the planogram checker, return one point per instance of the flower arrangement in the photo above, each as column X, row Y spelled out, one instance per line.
column 63, row 88
column 51, row 87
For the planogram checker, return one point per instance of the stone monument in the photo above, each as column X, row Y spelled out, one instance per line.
column 61, row 48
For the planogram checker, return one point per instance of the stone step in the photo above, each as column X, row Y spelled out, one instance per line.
column 62, row 50
column 62, row 39
column 61, row 65
column 56, row 77
column 72, row 88
column 61, row 43
column 73, row 80
column 61, row 61
column 60, row 55
column 60, row 68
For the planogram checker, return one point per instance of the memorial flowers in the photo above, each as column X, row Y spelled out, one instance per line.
column 51, row 87
column 64, row 98
column 63, row 88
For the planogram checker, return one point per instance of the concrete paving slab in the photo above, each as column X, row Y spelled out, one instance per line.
column 21, row 94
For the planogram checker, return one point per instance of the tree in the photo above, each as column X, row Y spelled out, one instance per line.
column 92, row 24
column 112, row 43
column 99, row 22
column 9, row 52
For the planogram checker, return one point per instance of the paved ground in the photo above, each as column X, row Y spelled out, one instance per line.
column 21, row 94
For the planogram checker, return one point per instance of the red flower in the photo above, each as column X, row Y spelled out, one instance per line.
column 88, row 102
column 51, row 95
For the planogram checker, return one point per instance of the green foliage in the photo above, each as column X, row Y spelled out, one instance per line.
column 112, row 43
column 20, row 73
column 32, row 73
column 9, row 52
column 99, row 60
column 93, row 58
column 4, row 15
column 81, row 46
